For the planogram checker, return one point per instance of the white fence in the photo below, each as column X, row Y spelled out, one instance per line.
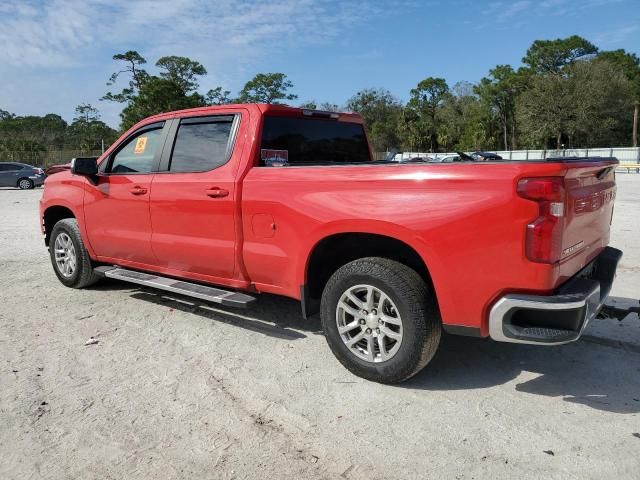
column 626, row 155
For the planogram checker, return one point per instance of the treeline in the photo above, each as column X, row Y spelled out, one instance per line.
column 566, row 93
column 34, row 138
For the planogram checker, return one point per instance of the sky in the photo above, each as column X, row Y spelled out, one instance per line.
column 57, row 54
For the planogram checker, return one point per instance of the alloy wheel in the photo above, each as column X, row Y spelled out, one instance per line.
column 369, row 323
column 65, row 255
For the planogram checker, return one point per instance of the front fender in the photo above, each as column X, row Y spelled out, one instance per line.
column 67, row 191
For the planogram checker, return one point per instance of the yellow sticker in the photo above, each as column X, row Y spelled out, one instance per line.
column 141, row 144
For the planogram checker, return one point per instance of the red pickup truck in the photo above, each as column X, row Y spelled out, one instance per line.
column 222, row 203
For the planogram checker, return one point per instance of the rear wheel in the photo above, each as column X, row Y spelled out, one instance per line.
column 25, row 184
column 70, row 259
column 380, row 319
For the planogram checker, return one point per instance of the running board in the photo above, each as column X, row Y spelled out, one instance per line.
column 210, row 294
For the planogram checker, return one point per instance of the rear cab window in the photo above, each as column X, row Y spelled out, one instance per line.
column 302, row 141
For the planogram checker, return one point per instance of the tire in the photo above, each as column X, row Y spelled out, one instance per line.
column 25, row 184
column 409, row 302
column 66, row 236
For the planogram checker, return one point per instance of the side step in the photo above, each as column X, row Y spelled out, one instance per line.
column 211, row 294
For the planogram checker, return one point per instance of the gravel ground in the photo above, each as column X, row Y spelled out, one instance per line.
column 176, row 389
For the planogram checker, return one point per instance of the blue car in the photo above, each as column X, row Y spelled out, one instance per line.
column 21, row 175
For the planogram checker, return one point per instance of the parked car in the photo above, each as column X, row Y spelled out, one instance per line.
column 390, row 254
column 445, row 159
column 418, row 159
column 485, row 156
column 63, row 166
column 21, row 175
column 57, row 168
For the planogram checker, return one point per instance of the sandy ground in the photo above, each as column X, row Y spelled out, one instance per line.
column 175, row 389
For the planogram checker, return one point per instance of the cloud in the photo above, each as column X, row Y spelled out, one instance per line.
column 57, row 53
column 509, row 10
column 504, row 11
column 615, row 36
column 67, row 32
column 42, row 35
column 514, row 9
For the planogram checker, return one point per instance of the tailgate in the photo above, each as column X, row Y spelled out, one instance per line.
column 590, row 193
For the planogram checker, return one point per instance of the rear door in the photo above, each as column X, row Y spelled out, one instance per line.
column 193, row 197
column 117, row 208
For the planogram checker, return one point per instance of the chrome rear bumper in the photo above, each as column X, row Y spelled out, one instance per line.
column 559, row 318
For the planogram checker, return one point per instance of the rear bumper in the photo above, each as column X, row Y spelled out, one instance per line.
column 559, row 318
column 37, row 180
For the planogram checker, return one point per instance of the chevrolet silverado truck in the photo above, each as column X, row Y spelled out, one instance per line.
column 224, row 203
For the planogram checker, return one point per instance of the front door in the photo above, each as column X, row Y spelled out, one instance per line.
column 193, row 197
column 117, row 208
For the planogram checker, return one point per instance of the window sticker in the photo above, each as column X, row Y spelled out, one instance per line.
column 274, row 158
column 141, row 144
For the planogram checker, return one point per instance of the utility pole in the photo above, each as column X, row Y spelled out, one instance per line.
column 635, row 124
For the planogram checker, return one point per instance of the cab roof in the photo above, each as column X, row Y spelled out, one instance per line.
column 263, row 108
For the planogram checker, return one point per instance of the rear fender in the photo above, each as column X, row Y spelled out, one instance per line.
column 375, row 227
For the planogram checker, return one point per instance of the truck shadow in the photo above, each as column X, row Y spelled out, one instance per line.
column 270, row 315
column 595, row 372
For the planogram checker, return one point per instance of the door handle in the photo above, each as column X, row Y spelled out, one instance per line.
column 216, row 192
column 138, row 190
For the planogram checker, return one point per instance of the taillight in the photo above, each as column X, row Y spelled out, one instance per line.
column 543, row 242
column 39, row 171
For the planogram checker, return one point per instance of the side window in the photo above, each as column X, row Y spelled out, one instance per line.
column 5, row 167
column 201, row 144
column 138, row 154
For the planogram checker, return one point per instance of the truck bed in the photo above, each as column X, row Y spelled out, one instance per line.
column 466, row 220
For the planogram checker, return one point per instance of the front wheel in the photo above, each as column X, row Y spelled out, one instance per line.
column 70, row 259
column 380, row 319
